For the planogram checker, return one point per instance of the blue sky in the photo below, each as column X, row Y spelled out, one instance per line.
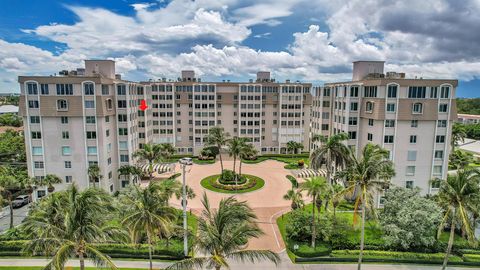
column 313, row 40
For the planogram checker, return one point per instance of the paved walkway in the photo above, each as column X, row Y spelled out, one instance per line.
column 267, row 202
column 19, row 215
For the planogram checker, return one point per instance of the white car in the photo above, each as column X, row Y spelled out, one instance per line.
column 186, row 161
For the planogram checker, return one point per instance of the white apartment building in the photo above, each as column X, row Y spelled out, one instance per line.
column 91, row 116
column 412, row 118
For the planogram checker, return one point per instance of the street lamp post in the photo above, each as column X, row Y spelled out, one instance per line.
column 184, row 164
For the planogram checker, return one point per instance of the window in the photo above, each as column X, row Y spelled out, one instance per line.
column 442, row 123
column 417, row 91
column 91, row 150
column 388, row 139
column 91, row 135
column 107, row 119
column 354, row 91
column 68, row 164
column 66, row 151
column 412, row 155
column 390, row 107
column 413, row 138
column 62, row 105
column 68, row 179
column 352, row 135
column 36, row 135
column 64, row 119
column 444, row 92
column 123, row 145
column 123, row 158
column 44, row 89
column 33, row 104
column 90, row 119
column 88, row 89
column 64, row 89
column 109, row 104
column 121, row 90
column 435, row 184
column 370, row 91
column 89, row 104
column 389, row 123
column 437, row 170
column 107, row 132
column 32, row 89
column 433, row 92
column 417, row 108
column 369, row 106
column 352, row 121
column 38, row 164
column 123, row 131
column 370, row 136
column 414, row 123
column 37, row 151
column 370, row 122
column 65, row 135
column 440, row 139
column 122, row 118
column 443, row 107
column 438, row 154
column 354, row 106
column 34, row 119
column 410, row 170
column 392, row 91
column 409, row 184
column 105, row 90
column 122, row 103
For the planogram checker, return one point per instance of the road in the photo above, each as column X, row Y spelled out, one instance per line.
column 285, row 265
column 19, row 215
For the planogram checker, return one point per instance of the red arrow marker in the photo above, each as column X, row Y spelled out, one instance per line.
column 143, row 105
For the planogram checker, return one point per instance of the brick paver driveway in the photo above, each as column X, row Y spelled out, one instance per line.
column 267, row 201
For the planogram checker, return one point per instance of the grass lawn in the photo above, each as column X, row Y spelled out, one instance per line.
column 207, row 183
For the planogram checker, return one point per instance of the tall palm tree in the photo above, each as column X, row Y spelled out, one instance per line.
column 94, row 174
column 459, row 133
column 235, row 146
column 128, row 170
column 146, row 214
column 150, row 153
column 367, row 175
column 314, row 187
column 293, row 146
column 167, row 151
column 218, row 137
column 221, row 235
column 247, row 150
column 67, row 224
column 332, row 150
column 459, row 196
column 295, row 197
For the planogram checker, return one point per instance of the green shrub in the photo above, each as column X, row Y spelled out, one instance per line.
column 471, row 257
column 15, row 245
column 293, row 181
column 227, row 176
column 469, row 251
column 394, row 255
column 306, row 251
column 301, row 163
column 291, row 166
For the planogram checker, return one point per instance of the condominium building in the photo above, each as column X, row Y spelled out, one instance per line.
column 411, row 118
column 468, row 118
column 91, row 116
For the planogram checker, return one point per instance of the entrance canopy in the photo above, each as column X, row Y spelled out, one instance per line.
column 307, row 173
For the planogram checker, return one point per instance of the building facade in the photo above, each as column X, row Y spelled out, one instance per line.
column 468, row 118
column 411, row 118
column 92, row 116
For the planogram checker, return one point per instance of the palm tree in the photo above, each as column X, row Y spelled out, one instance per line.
column 459, row 196
column 94, row 174
column 366, row 175
column 295, row 196
column 314, row 187
column 49, row 180
column 11, row 184
column 337, row 196
column 235, row 146
column 247, row 150
column 146, row 214
column 332, row 149
column 459, row 133
column 221, row 235
column 68, row 224
column 151, row 153
column 218, row 137
column 167, row 151
column 128, row 170
column 293, row 146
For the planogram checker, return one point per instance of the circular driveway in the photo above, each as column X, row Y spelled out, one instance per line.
column 267, row 202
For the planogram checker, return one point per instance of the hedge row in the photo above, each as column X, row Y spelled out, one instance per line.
column 471, row 257
column 249, row 184
column 175, row 251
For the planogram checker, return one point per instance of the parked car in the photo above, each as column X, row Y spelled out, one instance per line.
column 186, row 161
column 21, row 201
